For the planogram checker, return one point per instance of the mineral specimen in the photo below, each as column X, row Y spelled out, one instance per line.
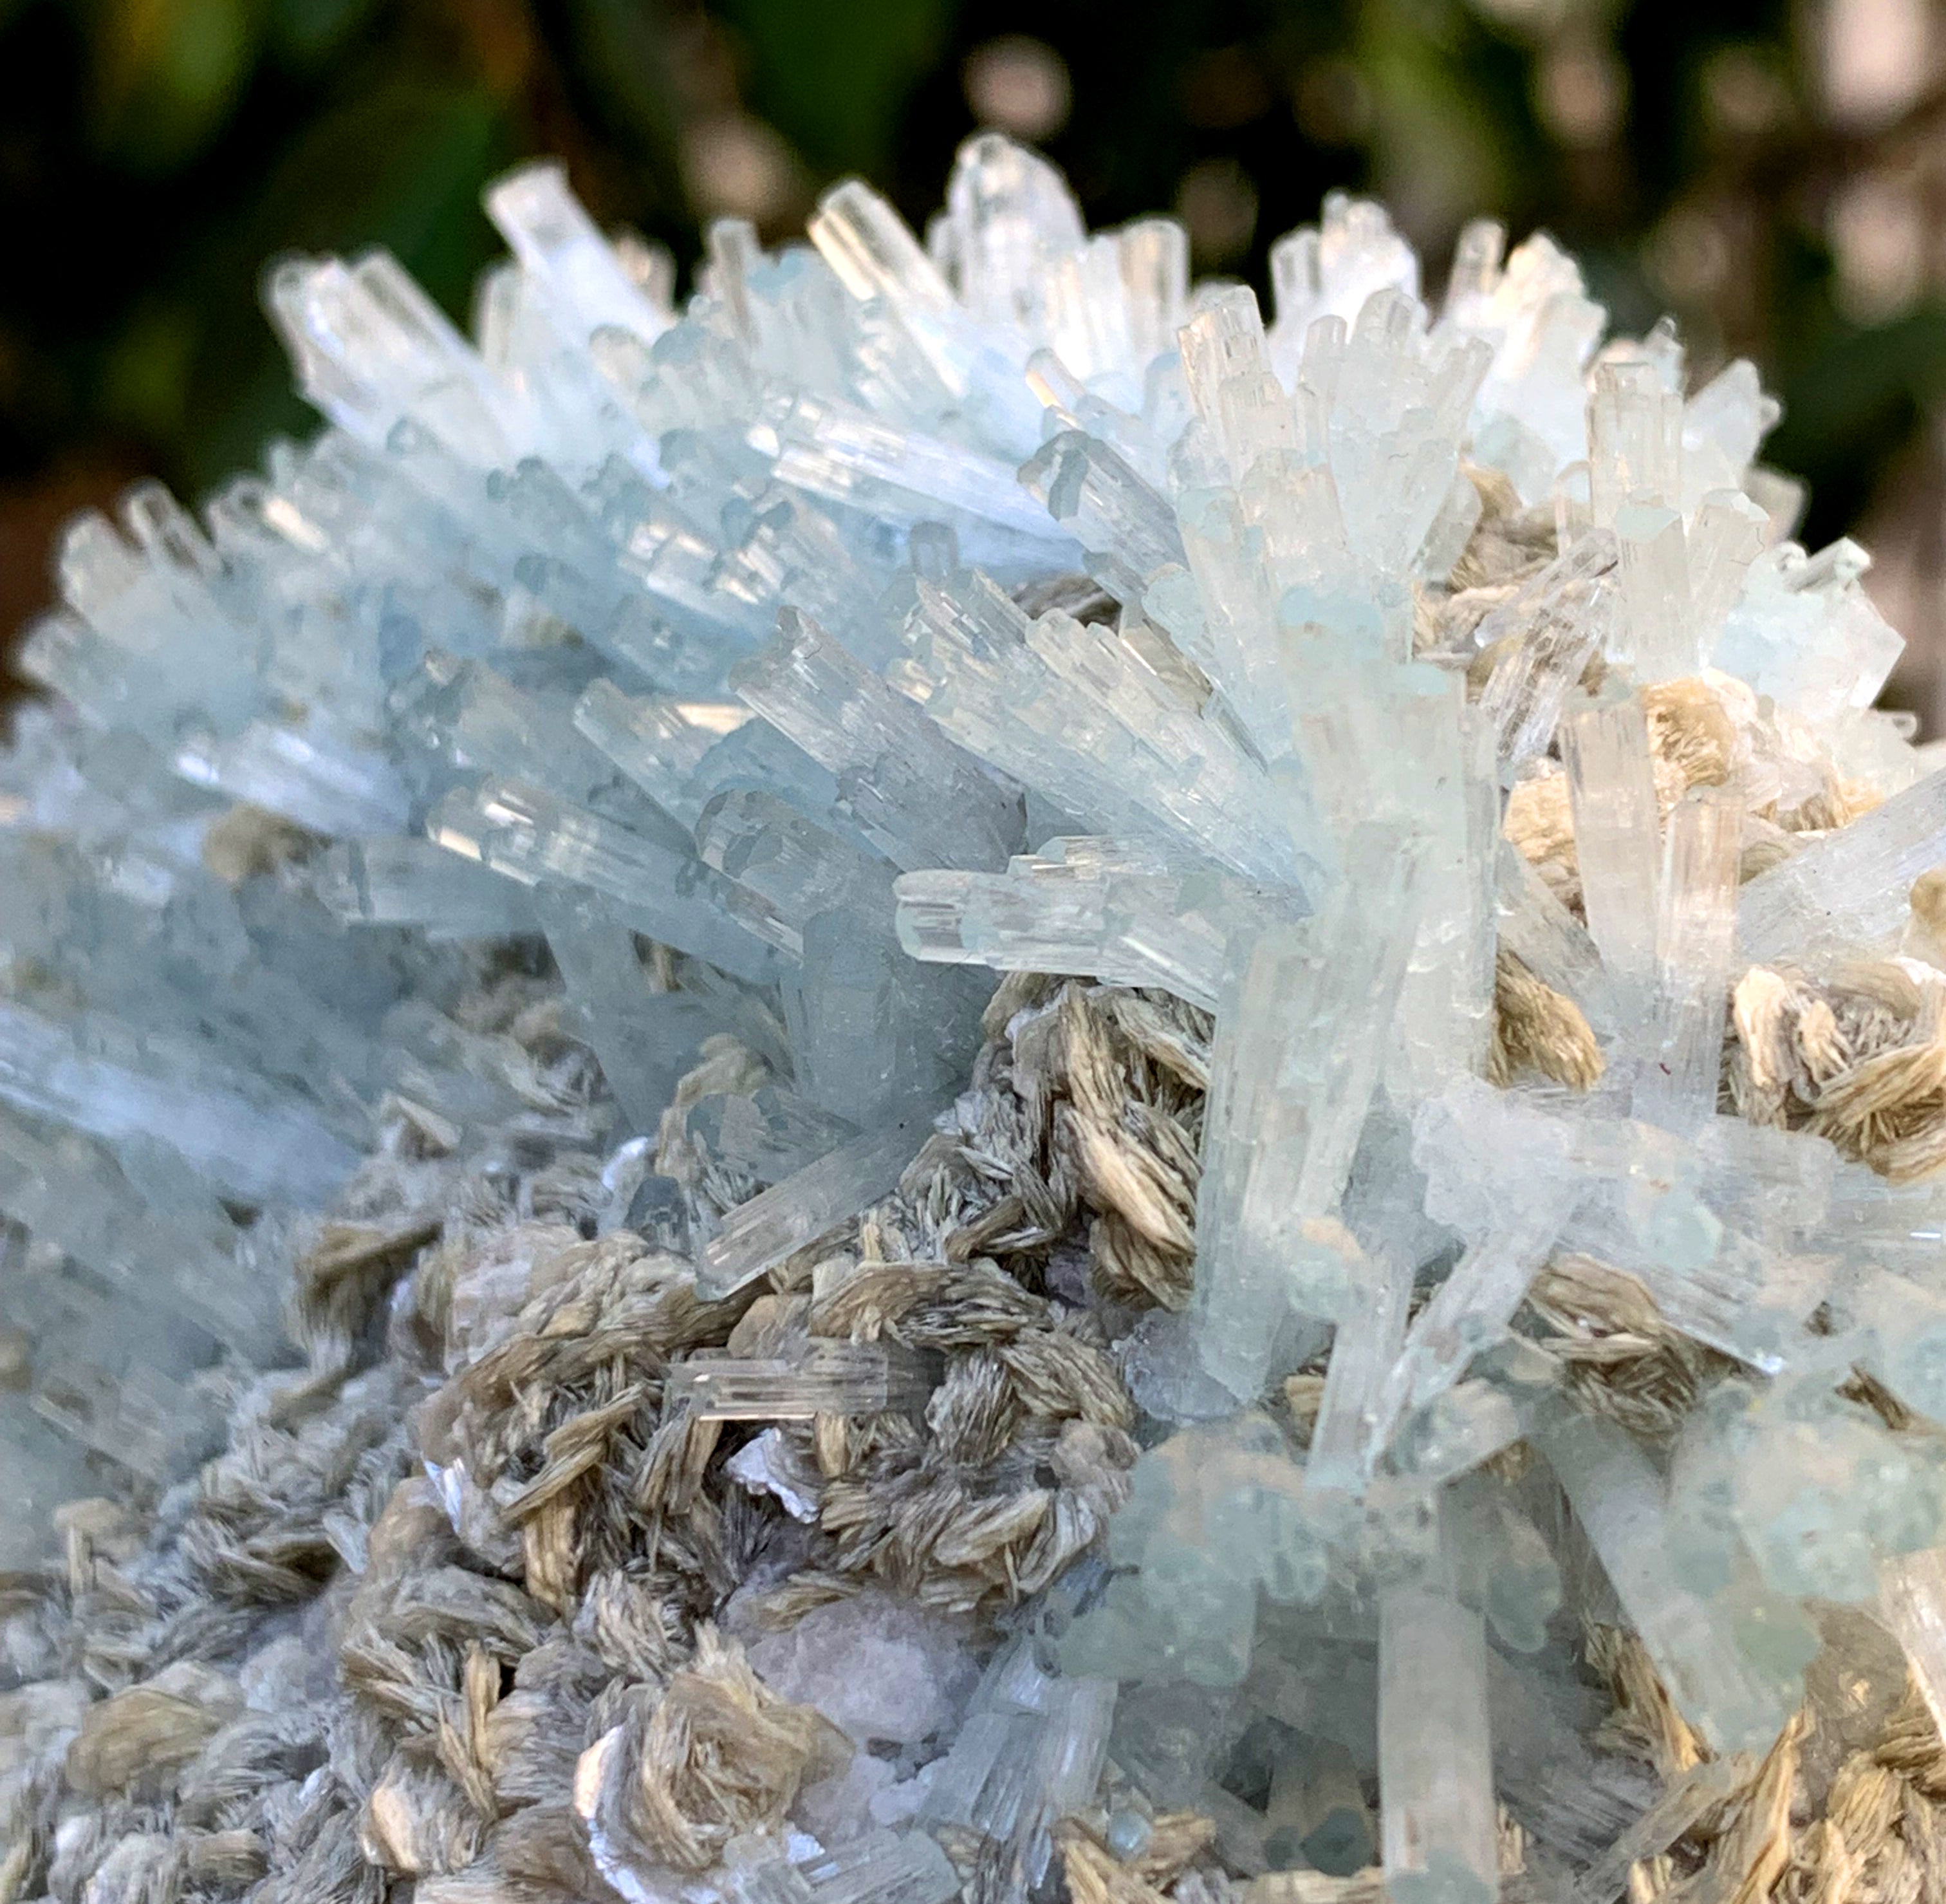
column 1408, row 1322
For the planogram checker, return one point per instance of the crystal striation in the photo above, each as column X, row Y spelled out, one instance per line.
column 954, row 1078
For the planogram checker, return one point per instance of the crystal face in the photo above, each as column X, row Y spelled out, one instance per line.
column 958, row 1074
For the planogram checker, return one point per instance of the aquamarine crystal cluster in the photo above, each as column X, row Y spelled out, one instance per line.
column 1429, row 692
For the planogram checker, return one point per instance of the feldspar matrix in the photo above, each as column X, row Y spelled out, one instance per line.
column 1407, row 1329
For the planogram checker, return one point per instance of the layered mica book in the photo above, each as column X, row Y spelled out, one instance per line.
column 958, row 1079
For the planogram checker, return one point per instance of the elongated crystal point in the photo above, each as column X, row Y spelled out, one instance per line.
column 518, row 830
column 917, row 794
column 1617, row 842
column 1557, row 622
column 1097, row 908
column 1849, row 888
column 1696, row 932
column 758, row 1235
column 872, row 249
column 557, row 241
column 1301, row 1032
column 1733, row 1701
column 834, row 1378
column 1436, row 1766
column 1635, row 438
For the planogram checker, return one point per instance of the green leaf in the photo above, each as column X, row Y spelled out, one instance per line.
column 145, row 377
column 306, row 31
column 832, row 76
column 167, row 73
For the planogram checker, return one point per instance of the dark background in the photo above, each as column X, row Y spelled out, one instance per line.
column 1773, row 175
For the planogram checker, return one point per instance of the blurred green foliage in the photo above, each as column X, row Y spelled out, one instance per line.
column 154, row 152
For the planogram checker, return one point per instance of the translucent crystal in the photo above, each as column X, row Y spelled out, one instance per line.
column 558, row 245
column 1435, row 1766
column 1816, row 1490
column 1805, row 632
column 1501, row 1562
column 797, row 869
column 1163, row 1366
column 46, row 1468
column 518, row 830
column 1128, row 531
column 875, row 1663
column 308, row 774
column 1533, row 311
column 1548, row 940
column 878, row 258
column 1635, row 438
column 759, row 1235
column 369, row 348
column 1345, row 1439
column 1557, row 620
column 1727, row 534
column 1317, row 1811
column 1847, row 890
column 1457, row 1430
column 1658, row 637
column 1070, row 710
column 683, row 753
column 1098, row 908
column 918, row 796
column 866, row 471
column 574, row 809
column 1399, row 409
column 1332, row 267
column 1908, row 1328
column 71, row 1193
column 1723, row 423
column 1302, row 1033
column 1356, row 718
column 123, row 1374
column 770, row 1133
column 645, row 1038
column 1617, row 842
column 1032, row 1746
column 883, row 1868
column 1733, row 1701
column 833, row 1378
column 1696, row 933
column 394, row 881
column 1471, row 1308
column 1009, row 215
column 249, row 1141
column 1912, row 1603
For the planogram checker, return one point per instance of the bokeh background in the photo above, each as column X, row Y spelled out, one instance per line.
column 1772, row 172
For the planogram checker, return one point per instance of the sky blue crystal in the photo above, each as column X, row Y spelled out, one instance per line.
column 741, row 685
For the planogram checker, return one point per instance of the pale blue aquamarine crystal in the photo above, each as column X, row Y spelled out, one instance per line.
column 1344, row 712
